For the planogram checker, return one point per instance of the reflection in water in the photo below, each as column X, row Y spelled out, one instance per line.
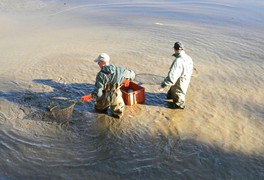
column 219, row 135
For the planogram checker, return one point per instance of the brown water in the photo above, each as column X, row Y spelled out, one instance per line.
column 47, row 49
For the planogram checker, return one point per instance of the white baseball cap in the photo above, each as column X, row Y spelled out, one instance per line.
column 102, row 57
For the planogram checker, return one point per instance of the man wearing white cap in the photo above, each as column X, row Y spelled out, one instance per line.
column 107, row 91
column 178, row 77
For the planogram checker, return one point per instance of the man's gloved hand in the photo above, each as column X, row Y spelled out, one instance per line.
column 162, row 86
column 87, row 98
column 161, row 89
column 126, row 82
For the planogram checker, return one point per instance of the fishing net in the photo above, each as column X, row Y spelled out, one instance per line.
column 150, row 79
column 62, row 112
column 153, row 79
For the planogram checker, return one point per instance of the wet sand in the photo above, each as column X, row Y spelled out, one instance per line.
column 47, row 51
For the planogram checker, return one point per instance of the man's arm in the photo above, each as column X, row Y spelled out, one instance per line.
column 99, row 84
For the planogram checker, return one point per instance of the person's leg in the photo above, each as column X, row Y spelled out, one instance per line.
column 117, row 107
column 101, row 105
column 178, row 92
column 169, row 96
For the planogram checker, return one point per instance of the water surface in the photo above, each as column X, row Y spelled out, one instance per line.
column 47, row 52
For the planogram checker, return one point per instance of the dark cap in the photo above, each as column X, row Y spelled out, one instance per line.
column 178, row 45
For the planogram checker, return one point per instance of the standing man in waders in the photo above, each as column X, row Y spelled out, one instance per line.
column 107, row 91
column 178, row 77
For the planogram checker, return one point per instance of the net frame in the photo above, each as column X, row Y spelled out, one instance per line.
column 63, row 115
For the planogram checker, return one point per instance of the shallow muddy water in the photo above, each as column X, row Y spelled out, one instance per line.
column 47, row 51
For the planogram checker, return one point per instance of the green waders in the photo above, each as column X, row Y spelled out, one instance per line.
column 112, row 97
column 177, row 92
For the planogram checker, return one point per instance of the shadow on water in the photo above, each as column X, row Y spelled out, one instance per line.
column 157, row 99
column 35, row 104
column 153, row 99
column 148, row 158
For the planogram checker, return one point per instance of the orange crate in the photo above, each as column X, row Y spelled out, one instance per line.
column 136, row 96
